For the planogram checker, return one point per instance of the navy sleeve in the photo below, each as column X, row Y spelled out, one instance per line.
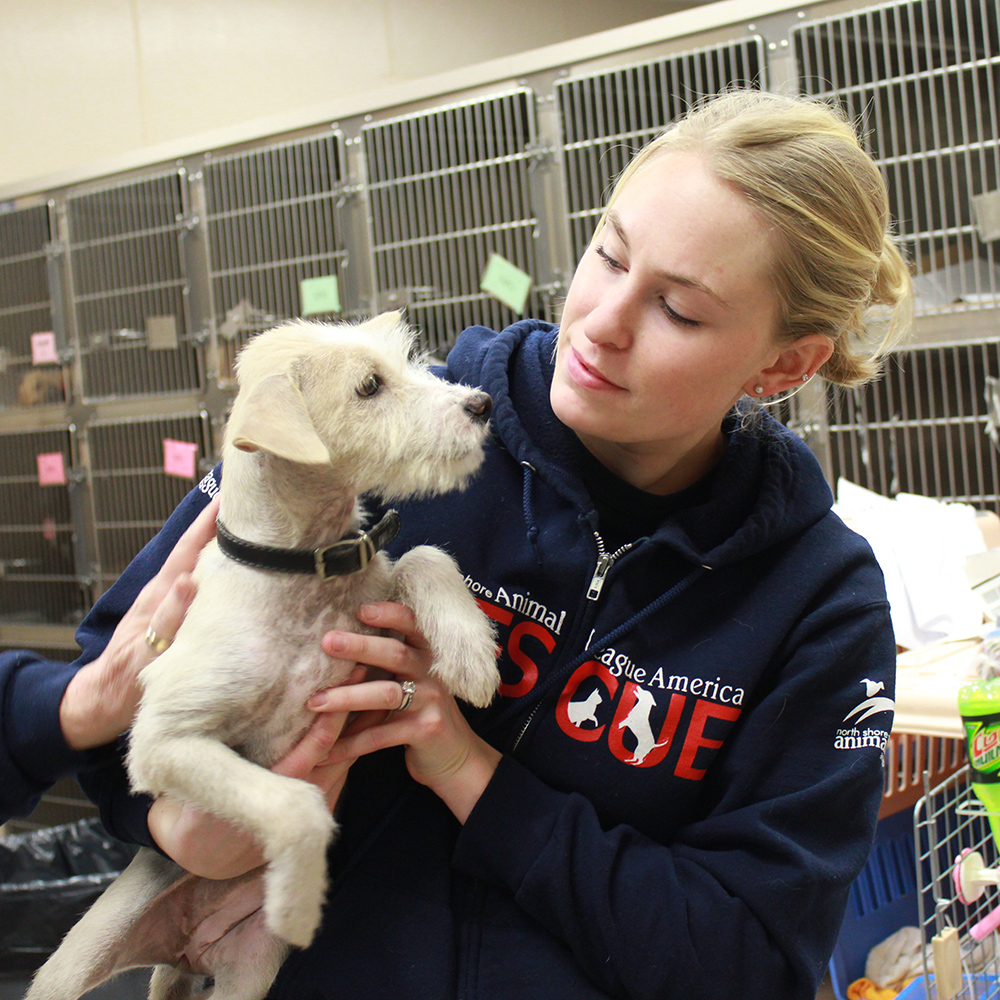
column 33, row 753
column 746, row 901
column 124, row 814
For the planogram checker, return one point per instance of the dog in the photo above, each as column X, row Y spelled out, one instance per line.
column 323, row 414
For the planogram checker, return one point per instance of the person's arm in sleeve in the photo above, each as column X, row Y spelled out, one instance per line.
column 747, row 901
column 33, row 752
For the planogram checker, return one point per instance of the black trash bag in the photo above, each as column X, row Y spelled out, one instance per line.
column 48, row 880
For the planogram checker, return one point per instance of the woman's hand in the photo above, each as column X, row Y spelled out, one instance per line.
column 211, row 847
column 442, row 751
column 100, row 701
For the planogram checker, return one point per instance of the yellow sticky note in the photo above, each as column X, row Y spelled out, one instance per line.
column 506, row 282
column 320, row 295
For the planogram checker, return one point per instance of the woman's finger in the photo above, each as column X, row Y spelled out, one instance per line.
column 182, row 558
column 314, row 748
column 166, row 619
column 359, row 740
column 372, row 696
column 197, row 535
column 395, row 617
column 384, row 652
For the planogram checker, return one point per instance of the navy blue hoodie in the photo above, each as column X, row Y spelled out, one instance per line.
column 692, row 758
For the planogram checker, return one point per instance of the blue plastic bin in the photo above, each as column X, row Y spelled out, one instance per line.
column 881, row 901
column 985, row 986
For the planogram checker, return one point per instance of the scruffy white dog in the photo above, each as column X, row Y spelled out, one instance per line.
column 324, row 413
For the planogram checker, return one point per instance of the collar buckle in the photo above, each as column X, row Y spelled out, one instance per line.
column 363, row 545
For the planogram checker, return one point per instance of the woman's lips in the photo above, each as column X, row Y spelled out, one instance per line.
column 586, row 376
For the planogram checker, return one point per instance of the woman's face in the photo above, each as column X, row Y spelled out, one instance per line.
column 669, row 319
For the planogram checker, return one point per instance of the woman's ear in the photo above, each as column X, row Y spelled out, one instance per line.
column 797, row 363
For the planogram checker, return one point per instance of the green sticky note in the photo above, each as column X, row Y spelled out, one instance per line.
column 319, row 295
column 506, row 282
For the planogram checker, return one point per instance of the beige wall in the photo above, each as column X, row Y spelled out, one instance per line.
column 82, row 81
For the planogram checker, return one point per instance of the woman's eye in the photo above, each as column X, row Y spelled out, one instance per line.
column 608, row 259
column 676, row 317
column 370, row 386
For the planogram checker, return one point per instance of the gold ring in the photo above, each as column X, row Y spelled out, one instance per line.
column 156, row 642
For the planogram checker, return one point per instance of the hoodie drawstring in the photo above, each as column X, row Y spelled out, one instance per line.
column 529, row 510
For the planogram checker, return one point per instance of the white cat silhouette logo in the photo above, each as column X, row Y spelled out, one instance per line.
column 583, row 711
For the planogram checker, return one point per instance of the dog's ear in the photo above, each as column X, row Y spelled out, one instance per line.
column 273, row 418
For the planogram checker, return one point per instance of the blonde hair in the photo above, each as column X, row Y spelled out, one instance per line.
column 801, row 166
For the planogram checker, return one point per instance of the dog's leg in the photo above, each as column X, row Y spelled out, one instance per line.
column 288, row 816
column 250, row 972
column 168, row 983
column 430, row 582
column 102, row 944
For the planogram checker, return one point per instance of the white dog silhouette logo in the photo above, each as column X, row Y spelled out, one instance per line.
column 637, row 723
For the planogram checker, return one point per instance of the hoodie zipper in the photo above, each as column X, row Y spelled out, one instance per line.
column 604, row 564
column 605, row 561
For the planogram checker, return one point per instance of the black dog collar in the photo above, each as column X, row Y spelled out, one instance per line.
column 350, row 555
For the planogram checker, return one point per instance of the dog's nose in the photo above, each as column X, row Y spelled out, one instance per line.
column 479, row 405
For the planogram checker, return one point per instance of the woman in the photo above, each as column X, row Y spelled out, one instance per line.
column 681, row 774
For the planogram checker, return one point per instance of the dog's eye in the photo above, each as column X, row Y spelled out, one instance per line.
column 370, row 385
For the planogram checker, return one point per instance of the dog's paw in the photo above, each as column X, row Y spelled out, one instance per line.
column 295, row 880
column 468, row 665
column 295, row 924
column 461, row 636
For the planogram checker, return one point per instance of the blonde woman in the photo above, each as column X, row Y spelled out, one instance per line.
column 681, row 774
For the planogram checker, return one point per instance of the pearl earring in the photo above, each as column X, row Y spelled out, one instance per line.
column 758, row 389
column 806, row 377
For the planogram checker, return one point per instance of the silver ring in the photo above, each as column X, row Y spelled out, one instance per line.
column 408, row 688
column 156, row 642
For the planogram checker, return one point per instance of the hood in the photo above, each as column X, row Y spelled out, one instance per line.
column 767, row 488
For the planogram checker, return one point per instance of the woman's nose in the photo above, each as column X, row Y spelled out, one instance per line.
column 613, row 319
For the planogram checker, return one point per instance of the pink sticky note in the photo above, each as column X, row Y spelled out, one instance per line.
column 180, row 458
column 51, row 469
column 43, row 349
column 49, row 530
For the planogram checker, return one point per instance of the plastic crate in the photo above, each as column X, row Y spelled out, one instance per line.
column 882, row 900
column 920, row 989
column 908, row 757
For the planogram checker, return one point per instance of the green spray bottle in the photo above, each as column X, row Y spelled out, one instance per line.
column 979, row 706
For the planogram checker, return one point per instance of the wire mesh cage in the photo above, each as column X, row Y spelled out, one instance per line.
column 273, row 237
column 133, row 491
column 956, row 910
column 607, row 117
column 924, row 428
column 923, row 81
column 37, row 566
column 26, row 310
column 449, row 188
column 128, row 288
